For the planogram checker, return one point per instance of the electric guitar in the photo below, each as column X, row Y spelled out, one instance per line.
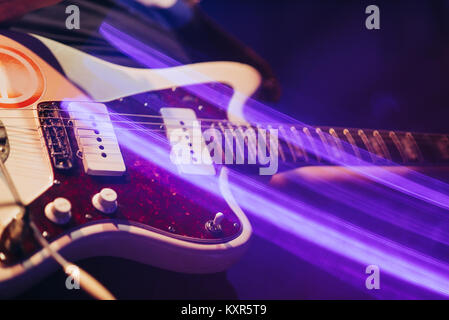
column 88, row 146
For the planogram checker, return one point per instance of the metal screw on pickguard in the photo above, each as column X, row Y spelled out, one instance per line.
column 45, row 234
column 236, row 225
column 200, row 108
column 57, row 182
column 2, row 256
column 171, row 228
column 87, row 216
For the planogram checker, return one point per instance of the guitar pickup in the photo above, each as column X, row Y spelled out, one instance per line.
column 96, row 139
column 184, row 134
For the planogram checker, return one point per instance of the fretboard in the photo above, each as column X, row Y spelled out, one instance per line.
column 365, row 146
column 326, row 146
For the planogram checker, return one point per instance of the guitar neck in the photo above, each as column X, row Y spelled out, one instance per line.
column 326, row 145
column 302, row 146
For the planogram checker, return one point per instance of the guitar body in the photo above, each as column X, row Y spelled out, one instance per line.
column 162, row 215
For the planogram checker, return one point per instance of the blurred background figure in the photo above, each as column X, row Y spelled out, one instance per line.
column 177, row 29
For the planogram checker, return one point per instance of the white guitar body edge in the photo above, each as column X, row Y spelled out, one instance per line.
column 99, row 78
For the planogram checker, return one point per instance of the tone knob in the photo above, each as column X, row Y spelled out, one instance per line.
column 105, row 201
column 59, row 211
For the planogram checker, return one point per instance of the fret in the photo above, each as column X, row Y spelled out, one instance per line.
column 351, row 141
column 375, row 146
column 367, row 144
column 251, row 142
column 340, row 152
column 281, row 151
column 228, row 147
column 292, row 152
column 383, row 146
column 240, row 150
column 312, row 143
column 262, row 136
column 412, row 141
column 398, row 145
column 299, row 148
column 320, row 134
column 443, row 147
column 407, row 147
column 217, row 145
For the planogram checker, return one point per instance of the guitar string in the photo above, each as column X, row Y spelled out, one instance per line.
column 115, row 114
column 223, row 121
column 113, row 121
column 96, row 129
column 104, row 141
column 102, row 113
column 384, row 133
column 99, row 133
column 95, row 121
column 236, row 128
column 102, row 129
column 106, row 120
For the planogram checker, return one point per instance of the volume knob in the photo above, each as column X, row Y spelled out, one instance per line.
column 59, row 211
column 105, row 201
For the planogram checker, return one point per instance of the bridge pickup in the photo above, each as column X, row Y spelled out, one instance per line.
column 52, row 123
column 96, row 139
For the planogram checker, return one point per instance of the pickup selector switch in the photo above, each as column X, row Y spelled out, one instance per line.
column 105, row 201
column 59, row 211
column 214, row 226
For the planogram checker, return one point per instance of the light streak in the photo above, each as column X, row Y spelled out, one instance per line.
column 302, row 223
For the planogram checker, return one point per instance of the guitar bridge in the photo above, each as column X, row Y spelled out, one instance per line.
column 53, row 127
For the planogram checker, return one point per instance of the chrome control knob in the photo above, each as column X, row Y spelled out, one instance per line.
column 105, row 201
column 59, row 211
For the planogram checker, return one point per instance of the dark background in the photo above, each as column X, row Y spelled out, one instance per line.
column 333, row 71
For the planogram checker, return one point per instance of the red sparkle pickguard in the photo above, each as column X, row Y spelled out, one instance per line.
column 149, row 195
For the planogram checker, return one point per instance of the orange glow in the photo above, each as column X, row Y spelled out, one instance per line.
column 21, row 80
